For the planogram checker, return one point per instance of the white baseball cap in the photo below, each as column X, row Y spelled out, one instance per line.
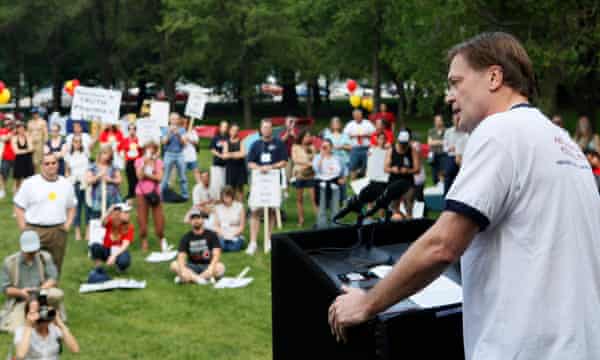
column 123, row 207
column 29, row 241
column 403, row 136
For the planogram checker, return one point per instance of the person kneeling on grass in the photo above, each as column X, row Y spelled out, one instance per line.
column 199, row 253
column 118, row 237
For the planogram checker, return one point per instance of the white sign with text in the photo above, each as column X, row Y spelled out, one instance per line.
column 195, row 104
column 96, row 104
column 159, row 112
column 265, row 190
column 148, row 130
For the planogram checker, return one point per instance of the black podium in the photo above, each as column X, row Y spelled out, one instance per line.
column 305, row 268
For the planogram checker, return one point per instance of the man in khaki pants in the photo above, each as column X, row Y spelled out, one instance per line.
column 25, row 274
column 46, row 204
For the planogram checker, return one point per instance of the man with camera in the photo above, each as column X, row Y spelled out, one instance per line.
column 25, row 274
column 44, row 331
column 198, row 260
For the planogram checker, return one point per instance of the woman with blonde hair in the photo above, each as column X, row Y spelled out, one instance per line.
column 103, row 171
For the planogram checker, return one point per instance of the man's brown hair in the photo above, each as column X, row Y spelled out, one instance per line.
column 504, row 50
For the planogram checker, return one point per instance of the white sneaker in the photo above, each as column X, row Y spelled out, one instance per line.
column 268, row 248
column 164, row 245
column 251, row 249
column 2, row 194
column 201, row 281
column 177, row 280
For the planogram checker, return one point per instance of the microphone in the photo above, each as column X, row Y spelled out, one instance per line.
column 368, row 194
column 393, row 192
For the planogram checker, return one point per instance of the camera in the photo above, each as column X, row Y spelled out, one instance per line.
column 46, row 313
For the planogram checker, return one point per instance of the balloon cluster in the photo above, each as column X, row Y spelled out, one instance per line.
column 356, row 100
column 4, row 93
column 70, row 86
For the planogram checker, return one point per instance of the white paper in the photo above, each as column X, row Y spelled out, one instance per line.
column 418, row 210
column 159, row 112
column 148, row 130
column 112, row 284
column 232, row 283
column 97, row 232
column 195, row 105
column 442, row 291
column 156, row 257
column 359, row 184
column 381, row 271
column 96, row 104
column 375, row 168
column 265, row 190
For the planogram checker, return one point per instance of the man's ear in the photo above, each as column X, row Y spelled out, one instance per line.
column 495, row 77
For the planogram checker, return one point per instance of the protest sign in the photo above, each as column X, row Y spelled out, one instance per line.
column 375, row 165
column 159, row 112
column 96, row 104
column 265, row 190
column 195, row 105
column 147, row 130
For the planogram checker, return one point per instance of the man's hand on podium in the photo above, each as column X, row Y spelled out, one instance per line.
column 348, row 310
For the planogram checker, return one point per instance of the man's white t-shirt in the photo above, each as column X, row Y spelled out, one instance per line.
column 359, row 133
column 531, row 277
column 45, row 202
column 189, row 149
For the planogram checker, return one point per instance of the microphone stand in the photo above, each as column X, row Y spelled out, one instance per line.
column 365, row 255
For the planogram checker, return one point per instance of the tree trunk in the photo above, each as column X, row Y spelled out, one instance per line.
column 246, row 92
column 141, row 84
column 316, row 94
column 290, row 97
column 401, row 103
column 56, row 88
column 170, row 90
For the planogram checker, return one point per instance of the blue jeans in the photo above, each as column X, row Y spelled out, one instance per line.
column 175, row 159
column 358, row 158
column 228, row 245
column 81, row 205
column 333, row 203
column 99, row 252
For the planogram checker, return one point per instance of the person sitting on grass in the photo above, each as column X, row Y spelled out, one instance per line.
column 198, row 260
column 43, row 333
column 118, row 237
column 230, row 220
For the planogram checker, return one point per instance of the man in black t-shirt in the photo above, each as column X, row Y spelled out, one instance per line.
column 199, row 253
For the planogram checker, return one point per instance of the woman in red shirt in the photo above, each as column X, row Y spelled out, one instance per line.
column 129, row 148
column 118, row 237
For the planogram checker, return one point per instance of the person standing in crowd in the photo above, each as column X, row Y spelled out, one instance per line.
column 217, row 170
column 266, row 154
column 56, row 144
column 111, row 135
column 86, row 139
column 101, row 172
column 329, row 176
column 529, row 266
column 150, row 171
column 174, row 142
column 379, row 130
column 46, row 204
column 190, row 153
column 8, row 155
column 22, row 143
column 585, row 136
column 37, row 127
column 435, row 140
column 230, row 221
column 594, row 159
column 236, row 173
column 342, row 145
column 199, row 255
column 114, row 251
column 452, row 137
column 23, row 273
column 42, row 338
column 387, row 116
column 77, row 162
column 289, row 136
column 402, row 163
column 303, row 173
column 201, row 197
column 359, row 131
column 130, row 151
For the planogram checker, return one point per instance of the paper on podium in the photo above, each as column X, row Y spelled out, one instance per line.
column 442, row 291
column 156, row 257
column 112, row 284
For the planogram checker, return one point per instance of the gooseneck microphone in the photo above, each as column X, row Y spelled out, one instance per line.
column 355, row 204
column 392, row 192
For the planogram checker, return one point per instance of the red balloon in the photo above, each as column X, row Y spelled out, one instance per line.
column 75, row 83
column 2, row 86
column 351, row 85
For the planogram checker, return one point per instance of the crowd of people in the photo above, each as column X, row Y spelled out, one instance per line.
column 64, row 182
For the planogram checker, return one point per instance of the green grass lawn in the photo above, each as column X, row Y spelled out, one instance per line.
column 166, row 321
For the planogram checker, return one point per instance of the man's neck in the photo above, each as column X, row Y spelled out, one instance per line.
column 267, row 139
column 506, row 101
column 198, row 232
column 49, row 178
